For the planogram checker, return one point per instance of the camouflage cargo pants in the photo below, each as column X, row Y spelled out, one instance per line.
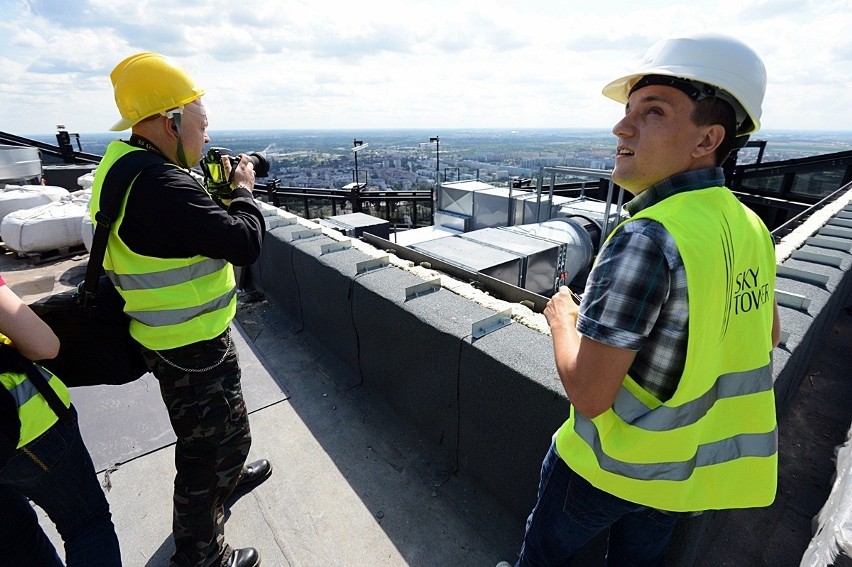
column 206, row 408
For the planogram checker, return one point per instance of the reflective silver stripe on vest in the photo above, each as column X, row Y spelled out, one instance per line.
column 630, row 409
column 25, row 391
column 166, row 317
column 737, row 447
column 166, row 278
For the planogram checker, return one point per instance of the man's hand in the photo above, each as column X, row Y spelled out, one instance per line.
column 562, row 311
column 243, row 174
column 591, row 372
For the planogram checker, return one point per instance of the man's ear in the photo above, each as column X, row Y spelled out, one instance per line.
column 714, row 135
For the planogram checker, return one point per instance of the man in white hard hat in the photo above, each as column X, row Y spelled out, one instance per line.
column 170, row 255
column 666, row 362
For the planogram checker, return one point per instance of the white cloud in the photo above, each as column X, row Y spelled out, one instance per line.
column 384, row 64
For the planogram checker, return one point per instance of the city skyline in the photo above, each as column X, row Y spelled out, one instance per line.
column 381, row 64
column 405, row 159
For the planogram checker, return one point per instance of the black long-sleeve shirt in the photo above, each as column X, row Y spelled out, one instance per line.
column 169, row 215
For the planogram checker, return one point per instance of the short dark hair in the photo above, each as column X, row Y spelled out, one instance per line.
column 714, row 110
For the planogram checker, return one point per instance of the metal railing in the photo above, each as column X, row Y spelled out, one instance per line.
column 63, row 151
column 600, row 178
column 408, row 209
column 788, row 191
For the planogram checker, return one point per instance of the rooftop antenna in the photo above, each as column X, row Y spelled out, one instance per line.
column 357, row 146
column 63, row 139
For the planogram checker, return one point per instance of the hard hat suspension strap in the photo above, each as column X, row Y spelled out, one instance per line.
column 175, row 115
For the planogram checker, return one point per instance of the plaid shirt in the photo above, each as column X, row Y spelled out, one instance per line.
column 636, row 294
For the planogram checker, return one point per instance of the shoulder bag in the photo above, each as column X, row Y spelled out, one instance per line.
column 93, row 330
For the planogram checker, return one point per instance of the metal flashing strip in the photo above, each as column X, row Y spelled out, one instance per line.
column 337, row 246
column 792, row 300
column 830, row 244
column 836, row 231
column 817, row 258
column 491, row 324
column 303, row 234
column 275, row 221
column 371, row 264
column 802, row 275
column 844, row 223
column 268, row 210
column 415, row 291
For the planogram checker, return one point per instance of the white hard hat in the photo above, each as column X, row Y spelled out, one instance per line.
column 712, row 59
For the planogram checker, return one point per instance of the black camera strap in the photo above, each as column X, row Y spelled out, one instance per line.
column 115, row 186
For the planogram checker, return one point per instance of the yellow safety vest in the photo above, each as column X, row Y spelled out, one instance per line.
column 172, row 302
column 714, row 444
column 33, row 410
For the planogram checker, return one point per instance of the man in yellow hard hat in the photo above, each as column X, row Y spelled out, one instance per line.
column 667, row 361
column 170, row 255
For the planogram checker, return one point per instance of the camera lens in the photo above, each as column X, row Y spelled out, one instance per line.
column 261, row 166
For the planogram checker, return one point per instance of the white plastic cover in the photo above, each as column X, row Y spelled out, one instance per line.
column 48, row 227
column 17, row 197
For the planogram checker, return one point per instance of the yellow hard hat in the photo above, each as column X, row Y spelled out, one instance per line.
column 148, row 83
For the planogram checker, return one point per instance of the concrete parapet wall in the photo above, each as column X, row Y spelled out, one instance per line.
column 814, row 281
column 491, row 404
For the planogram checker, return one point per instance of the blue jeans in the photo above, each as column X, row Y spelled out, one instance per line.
column 570, row 512
column 56, row 472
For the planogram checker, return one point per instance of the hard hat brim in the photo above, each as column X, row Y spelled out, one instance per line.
column 619, row 89
column 122, row 124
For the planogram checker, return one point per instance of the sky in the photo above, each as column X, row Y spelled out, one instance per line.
column 433, row 64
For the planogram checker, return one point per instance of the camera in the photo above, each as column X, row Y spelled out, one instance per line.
column 218, row 184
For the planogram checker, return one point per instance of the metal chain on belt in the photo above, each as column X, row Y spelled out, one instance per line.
column 198, row 370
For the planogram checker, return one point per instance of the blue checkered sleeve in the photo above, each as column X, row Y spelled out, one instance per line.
column 636, row 299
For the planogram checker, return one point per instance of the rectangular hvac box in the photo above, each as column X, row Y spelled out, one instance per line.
column 491, row 208
column 355, row 225
column 458, row 197
column 422, row 234
column 454, row 221
column 499, row 206
column 527, row 208
column 542, row 257
column 476, row 257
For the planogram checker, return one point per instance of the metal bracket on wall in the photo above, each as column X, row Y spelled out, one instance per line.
column 792, row 300
column 336, row 246
column 835, row 231
column 843, row 223
column 307, row 233
column 491, row 324
column 817, row 258
column 371, row 264
column 424, row 288
column 802, row 275
column 829, row 243
column 276, row 221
